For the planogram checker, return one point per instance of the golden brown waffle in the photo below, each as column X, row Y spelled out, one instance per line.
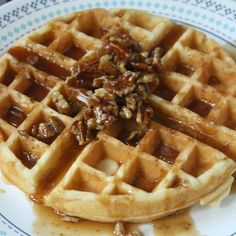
column 109, row 179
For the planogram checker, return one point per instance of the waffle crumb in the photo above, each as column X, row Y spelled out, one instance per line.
column 120, row 230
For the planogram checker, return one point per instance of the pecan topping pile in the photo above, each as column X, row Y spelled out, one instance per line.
column 117, row 80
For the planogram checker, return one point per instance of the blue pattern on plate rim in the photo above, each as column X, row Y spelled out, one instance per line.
column 12, row 226
column 164, row 9
column 37, row 5
column 28, row 8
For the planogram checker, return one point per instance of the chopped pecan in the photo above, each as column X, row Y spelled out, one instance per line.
column 147, row 78
column 91, row 123
column 101, row 117
column 156, row 53
column 144, row 114
column 126, row 42
column 122, row 86
column 101, row 93
column 134, row 135
column 139, row 113
column 147, row 115
column 131, row 101
column 61, row 104
column 32, row 59
column 141, row 91
column 119, row 229
column 81, row 81
column 88, row 63
column 27, row 73
column 98, row 82
column 140, row 66
column 56, row 124
column 122, row 67
column 49, row 129
column 81, row 132
column 72, row 219
column 107, row 66
column 30, row 156
column 125, row 113
column 88, row 113
column 14, row 116
column 136, row 57
column 118, row 50
column 144, row 54
column 101, row 96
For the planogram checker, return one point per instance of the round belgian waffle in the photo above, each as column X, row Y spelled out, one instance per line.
column 108, row 179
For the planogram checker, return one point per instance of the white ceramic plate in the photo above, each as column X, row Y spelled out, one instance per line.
column 216, row 18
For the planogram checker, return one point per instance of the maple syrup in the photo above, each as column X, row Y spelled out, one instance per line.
column 141, row 181
column 169, row 40
column 28, row 159
column 8, row 76
column 14, row 116
column 164, row 92
column 201, row 107
column 47, row 222
column 96, row 32
column 125, row 137
column 202, row 137
column 37, row 91
column 74, row 52
column 184, row 69
column 233, row 188
column 166, row 153
column 179, row 223
column 213, row 81
column 39, row 62
column 51, row 178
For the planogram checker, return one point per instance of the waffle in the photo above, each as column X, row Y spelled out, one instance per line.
column 113, row 178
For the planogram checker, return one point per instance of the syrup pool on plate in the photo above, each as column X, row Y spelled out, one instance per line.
column 50, row 224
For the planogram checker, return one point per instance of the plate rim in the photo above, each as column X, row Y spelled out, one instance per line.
column 18, row 3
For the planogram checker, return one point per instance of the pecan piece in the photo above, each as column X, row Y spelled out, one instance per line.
column 56, row 124
column 144, row 114
column 156, row 63
column 98, row 82
column 140, row 66
column 32, row 59
column 119, row 229
column 131, row 101
column 118, row 50
column 107, row 66
column 147, row 78
column 49, row 129
column 61, row 103
column 82, row 133
column 30, row 158
column 125, row 113
column 122, row 86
